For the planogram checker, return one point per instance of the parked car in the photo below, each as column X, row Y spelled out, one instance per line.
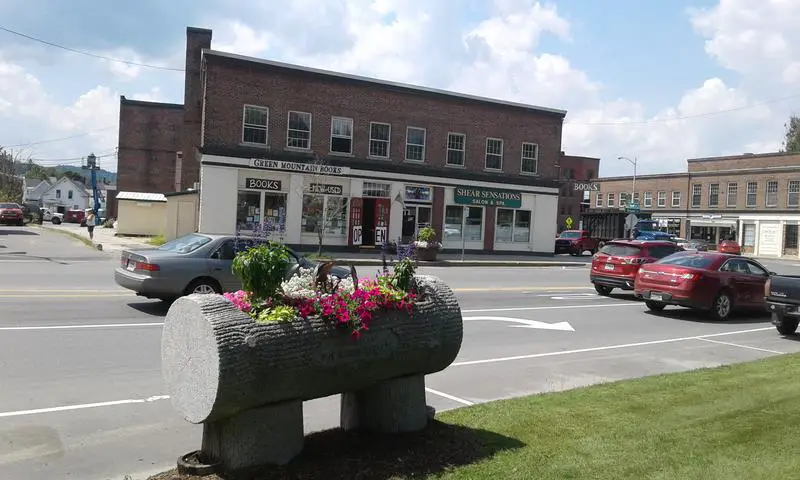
column 717, row 283
column 49, row 216
column 75, row 216
column 617, row 262
column 11, row 214
column 575, row 242
column 782, row 300
column 193, row 263
column 729, row 246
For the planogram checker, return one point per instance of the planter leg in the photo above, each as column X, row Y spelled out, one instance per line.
column 271, row 435
column 392, row 406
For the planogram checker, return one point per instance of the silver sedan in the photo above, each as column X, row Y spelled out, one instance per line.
column 194, row 263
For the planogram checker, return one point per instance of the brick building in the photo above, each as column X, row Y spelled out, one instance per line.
column 754, row 198
column 574, row 174
column 369, row 160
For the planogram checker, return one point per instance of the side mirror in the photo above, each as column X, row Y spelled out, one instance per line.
column 771, row 274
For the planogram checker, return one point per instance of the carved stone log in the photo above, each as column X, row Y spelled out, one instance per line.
column 244, row 380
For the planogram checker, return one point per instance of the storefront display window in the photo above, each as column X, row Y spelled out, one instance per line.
column 334, row 220
column 455, row 223
column 248, row 210
column 257, row 208
column 513, row 226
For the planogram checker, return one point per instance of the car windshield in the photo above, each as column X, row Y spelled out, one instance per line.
column 692, row 261
column 186, row 244
column 570, row 235
column 9, row 205
column 620, row 250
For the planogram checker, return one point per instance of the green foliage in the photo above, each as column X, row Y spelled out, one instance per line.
column 403, row 277
column 791, row 141
column 158, row 240
column 279, row 313
column 427, row 234
column 261, row 269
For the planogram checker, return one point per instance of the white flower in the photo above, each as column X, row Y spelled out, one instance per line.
column 304, row 285
column 422, row 244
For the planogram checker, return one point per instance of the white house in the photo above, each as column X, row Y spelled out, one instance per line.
column 34, row 189
column 66, row 194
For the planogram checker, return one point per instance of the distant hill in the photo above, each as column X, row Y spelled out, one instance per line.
column 103, row 176
column 37, row 171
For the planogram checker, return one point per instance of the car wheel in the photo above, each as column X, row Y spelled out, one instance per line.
column 784, row 325
column 56, row 221
column 603, row 290
column 655, row 306
column 203, row 286
column 722, row 306
column 21, row 223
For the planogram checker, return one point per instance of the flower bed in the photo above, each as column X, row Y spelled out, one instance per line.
column 344, row 302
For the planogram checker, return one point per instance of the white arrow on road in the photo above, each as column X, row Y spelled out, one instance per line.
column 574, row 296
column 525, row 323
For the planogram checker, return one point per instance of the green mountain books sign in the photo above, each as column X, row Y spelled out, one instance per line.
column 488, row 197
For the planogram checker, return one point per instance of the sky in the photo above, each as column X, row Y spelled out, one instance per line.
column 659, row 80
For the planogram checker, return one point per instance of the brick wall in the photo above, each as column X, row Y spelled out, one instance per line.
column 747, row 161
column 196, row 40
column 574, row 169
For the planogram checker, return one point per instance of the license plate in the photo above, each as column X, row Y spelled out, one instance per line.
column 609, row 266
column 131, row 265
column 656, row 296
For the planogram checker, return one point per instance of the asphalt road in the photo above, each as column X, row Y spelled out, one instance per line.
column 82, row 395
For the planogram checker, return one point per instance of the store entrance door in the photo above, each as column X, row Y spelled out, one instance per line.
column 368, row 226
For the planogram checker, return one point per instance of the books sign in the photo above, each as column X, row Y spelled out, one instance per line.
column 262, row 184
column 488, row 196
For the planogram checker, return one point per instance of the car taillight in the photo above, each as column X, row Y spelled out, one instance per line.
column 149, row 267
column 691, row 276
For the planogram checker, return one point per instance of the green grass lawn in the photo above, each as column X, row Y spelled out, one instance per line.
column 731, row 423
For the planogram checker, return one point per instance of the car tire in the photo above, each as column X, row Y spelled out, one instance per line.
column 655, row 306
column 55, row 221
column 785, row 325
column 20, row 223
column 203, row 286
column 722, row 306
column 603, row 290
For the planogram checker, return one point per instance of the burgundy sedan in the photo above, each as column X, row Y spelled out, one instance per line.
column 714, row 282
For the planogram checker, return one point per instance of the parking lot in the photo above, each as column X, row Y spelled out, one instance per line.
column 83, row 395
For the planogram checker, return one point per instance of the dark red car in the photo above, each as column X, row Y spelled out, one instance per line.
column 617, row 262
column 729, row 246
column 714, row 282
column 11, row 214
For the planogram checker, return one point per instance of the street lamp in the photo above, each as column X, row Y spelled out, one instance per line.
column 632, row 162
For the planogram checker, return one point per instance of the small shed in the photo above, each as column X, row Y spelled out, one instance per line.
column 141, row 214
column 183, row 209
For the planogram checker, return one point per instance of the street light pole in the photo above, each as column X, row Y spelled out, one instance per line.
column 632, row 162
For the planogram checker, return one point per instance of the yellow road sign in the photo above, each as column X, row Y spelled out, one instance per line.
column 568, row 222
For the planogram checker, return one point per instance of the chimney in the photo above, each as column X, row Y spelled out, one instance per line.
column 197, row 39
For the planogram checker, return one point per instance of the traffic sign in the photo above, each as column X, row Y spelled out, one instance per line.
column 568, row 222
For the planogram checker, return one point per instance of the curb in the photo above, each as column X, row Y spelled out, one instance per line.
column 467, row 263
column 81, row 238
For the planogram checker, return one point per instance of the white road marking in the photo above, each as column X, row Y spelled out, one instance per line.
column 553, row 307
column 742, row 346
column 525, row 323
column 68, row 327
column 66, row 408
column 600, row 349
column 448, row 396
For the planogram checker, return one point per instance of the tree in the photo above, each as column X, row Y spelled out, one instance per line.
column 10, row 183
column 324, row 205
column 791, row 141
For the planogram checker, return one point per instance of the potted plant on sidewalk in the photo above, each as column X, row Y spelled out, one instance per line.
column 426, row 245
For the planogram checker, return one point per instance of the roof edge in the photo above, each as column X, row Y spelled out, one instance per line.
column 742, row 156
column 145, row 103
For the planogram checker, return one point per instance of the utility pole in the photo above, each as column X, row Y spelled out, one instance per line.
column 91, row 165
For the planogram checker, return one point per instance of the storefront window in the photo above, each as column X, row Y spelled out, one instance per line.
column 455, row 224
column 248, row 210
column 333, row 222
column 513, row 226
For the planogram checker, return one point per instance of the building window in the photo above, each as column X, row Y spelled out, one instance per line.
column 676, row 199
column 374, row 189
column 772, row 193
column 58, row 193
column 69, row 194
column 752, row 193
column 415, row 144
column 598, row 200
column 713, row 195
column 661, row 199
column 610, row 200
column 697, row 192
column 325, row 214
column 635, row 197
column 513, row 226
column 380, row 135
column 494, row 154
column 298, row 130
column 530, row 158
column 749, row 235
column 260, row 208
column 648, row 199
column 733, row 192
column 623, row 199
column 254, row 124
column 456, row 223
column 341, row 135
column 456, row 149
column 793, row 193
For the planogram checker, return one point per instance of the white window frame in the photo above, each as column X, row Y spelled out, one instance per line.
column 289, row 129
column 624, row 199
column 464, row 221
column 610, row 200
column 661, row 195
column 486, row 154
column 766, row 193
column 463, row 150
column 648, row 199
column 789, row 192
column 388, row 142
column 535, row 159
column 513, row 225
column 699, row 194
column 423, row 145
column 253, row 125
column 598, row 200
column 748, row 193
column 711, row 195
column 351, row 137
column 728, row 192
column 676, row 194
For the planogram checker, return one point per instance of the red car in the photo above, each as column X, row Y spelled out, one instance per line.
column 11, row 214
column 617, row 262
column 714, row 282
column 729, row 246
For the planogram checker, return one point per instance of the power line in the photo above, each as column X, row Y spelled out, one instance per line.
column 52, row 140
column 89, row 54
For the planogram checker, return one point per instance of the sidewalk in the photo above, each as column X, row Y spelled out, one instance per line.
column 104, row 238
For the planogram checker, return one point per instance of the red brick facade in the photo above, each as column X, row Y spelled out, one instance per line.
column 574, row 169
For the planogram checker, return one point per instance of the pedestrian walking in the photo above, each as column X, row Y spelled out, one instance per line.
column 91, row 220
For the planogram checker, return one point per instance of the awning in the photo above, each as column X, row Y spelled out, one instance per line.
column 715, row 222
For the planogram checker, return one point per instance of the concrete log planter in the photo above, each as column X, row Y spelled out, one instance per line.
column 245, row 381
column 426, row 254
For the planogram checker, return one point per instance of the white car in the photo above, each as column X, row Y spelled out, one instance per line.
column 48, row 216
